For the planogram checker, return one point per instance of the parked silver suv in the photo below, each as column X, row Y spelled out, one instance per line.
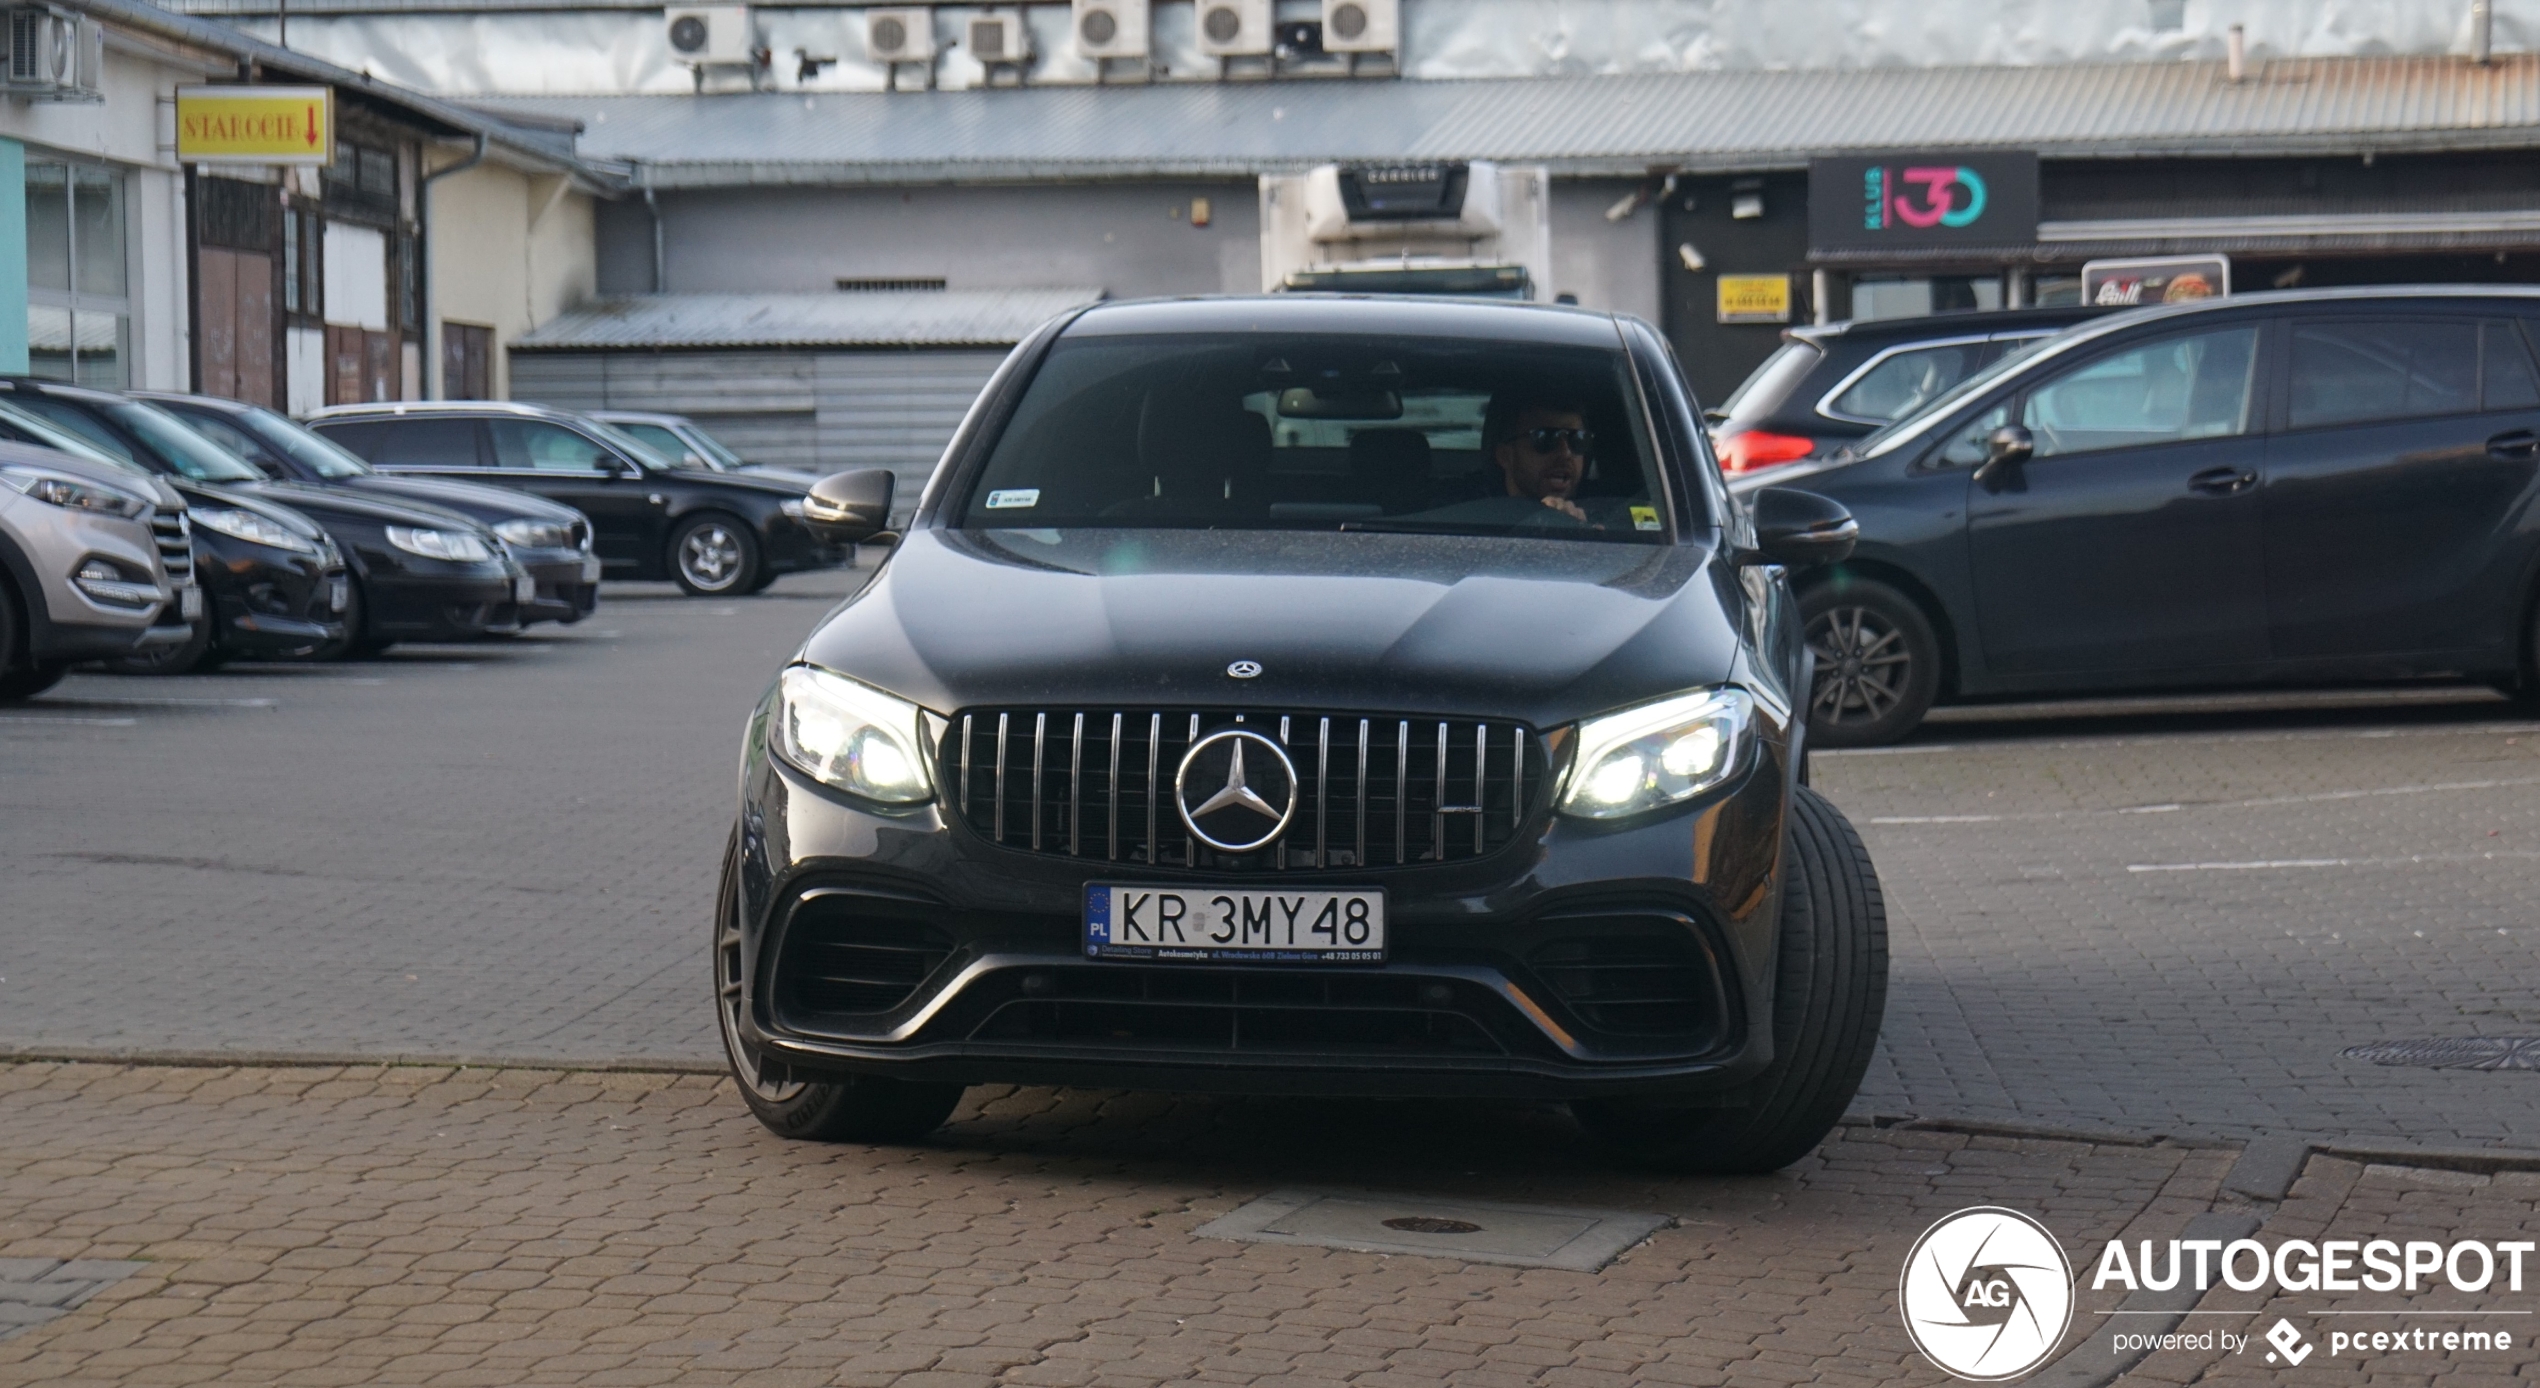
column 95, row 562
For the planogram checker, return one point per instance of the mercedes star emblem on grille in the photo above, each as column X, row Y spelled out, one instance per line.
column 1229, row 805
column 1244, row 669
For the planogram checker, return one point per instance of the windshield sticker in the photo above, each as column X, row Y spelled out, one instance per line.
column 1021, row 498
column 1644, row 517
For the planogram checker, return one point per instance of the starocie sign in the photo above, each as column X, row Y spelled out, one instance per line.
column 255, row 125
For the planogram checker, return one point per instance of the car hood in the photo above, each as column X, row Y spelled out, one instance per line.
column 487, row 504
column 778, row 485
column 343, row 503
column 1545, row 631
column 245, row 497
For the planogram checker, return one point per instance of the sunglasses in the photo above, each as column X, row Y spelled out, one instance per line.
column 1545, row 440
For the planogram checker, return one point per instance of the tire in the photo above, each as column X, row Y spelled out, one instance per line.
column 1829, row 996
column 1878, row 663
column 765, row 580
column 714, row 556
column 859, row 1108
column 26, row 681
column 194, row 653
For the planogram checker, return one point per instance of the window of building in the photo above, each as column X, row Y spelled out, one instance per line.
column 79, row 306
column 1914, row 296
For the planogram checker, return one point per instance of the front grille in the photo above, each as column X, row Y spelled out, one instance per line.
column 173, row 534
column 1372, row 791
column 1245, row 1012
column 1629, row 978
column 859, row 954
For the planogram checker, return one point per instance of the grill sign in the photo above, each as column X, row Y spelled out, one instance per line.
column 255, row 125
column 1919, row 200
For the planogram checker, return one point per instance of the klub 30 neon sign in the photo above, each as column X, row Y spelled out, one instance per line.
column 1920, row 196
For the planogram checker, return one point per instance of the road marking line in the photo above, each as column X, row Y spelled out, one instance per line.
column 1937, row 819
column 2013, row 744
column 84, row 722
column 2264, row 864
column 2313, row 798
column 148, row 701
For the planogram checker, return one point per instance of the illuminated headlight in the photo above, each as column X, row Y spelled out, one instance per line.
column 535, row 534
column 1657, row 754
column 70, row 493
column 792, row 506
column 851, row 736
column 255, row 529
column 456, row 546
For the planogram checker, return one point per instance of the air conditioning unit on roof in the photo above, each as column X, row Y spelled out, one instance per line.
column 999, row 38
column 54, row 55
column 1111, row 28
column 712, row 36
column 901, row 35
column 1362, row 26
column 1235, row 28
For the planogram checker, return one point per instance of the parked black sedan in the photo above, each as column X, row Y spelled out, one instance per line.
column 408, row 572
column 551, row 541
column 1312, row 695
column 1830, row 384
column 713, row 533
column 274, row 585
column 2272, row 488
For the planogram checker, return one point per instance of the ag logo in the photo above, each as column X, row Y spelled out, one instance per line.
column 1986, row 1294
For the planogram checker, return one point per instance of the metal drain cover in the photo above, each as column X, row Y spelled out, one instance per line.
column 2455, row 1053
column 1471, row 1231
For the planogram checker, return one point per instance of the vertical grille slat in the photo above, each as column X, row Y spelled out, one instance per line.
column 1085, row 762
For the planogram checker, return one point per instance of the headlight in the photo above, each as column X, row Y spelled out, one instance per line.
column 70, row 493
column 535, row 534
column 1657, row 754
column 792, row 506
column 255, row 530
column 851, row 736
column 456, row 546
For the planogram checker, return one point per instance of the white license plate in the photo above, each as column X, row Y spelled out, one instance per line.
column 338, row 593
column 524, row 589
column 189, row 603
column 591, row 569
column 1224, row 923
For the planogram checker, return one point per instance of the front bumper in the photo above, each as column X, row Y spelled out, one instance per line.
column 1579, row 961
column 568, row 585
column 456, row 606
column 268, row 602
column 794, row 546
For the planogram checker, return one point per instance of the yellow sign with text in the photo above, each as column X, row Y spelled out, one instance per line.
column 1754, row 298
column 255, row 125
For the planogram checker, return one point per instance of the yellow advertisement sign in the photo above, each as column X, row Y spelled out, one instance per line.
column 255, row 125
column 1754, row 298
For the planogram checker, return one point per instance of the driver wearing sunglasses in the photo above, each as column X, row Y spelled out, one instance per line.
column 1542, row 448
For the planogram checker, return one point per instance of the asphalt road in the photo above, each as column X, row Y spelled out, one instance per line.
column 2150, row 918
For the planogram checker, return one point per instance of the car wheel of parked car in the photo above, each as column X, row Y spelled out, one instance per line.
column 187, row 656
column 1829, row 995
column 714, row 556
column 859, row 1108
column 1878, row 663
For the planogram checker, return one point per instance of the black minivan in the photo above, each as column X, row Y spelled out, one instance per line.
column 2338, row 484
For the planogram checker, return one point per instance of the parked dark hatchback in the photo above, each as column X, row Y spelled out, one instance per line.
column 551, row 542
column 1312, row 695
column 273, row 582
column 2283, row 487
column 1829, row 385
column 713, row 533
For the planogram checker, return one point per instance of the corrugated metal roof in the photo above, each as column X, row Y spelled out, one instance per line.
column 922, row 318
column 1577, row 125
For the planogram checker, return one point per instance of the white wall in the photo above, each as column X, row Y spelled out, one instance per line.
column 1610, row 265
column 509, row 249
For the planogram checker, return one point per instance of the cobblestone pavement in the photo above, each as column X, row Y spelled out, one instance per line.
column 2172, row 921
column 367, row 1225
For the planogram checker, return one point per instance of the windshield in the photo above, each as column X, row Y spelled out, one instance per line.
column 183, row 449
column 714, row 449
column 1327, row 433
column 36, row 429
column 1771, row 383
column 634, row 447
column 307, row 447
column 1913, row 424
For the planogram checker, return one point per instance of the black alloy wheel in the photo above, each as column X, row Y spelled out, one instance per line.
column 1878, row 663
column 856, row 1108
column 713, row 556
column 1829, row 996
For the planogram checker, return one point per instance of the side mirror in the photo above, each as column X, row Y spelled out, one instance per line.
column 1799, row 529
column 850, row 507
column 611, row 465
column 2005, row 448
